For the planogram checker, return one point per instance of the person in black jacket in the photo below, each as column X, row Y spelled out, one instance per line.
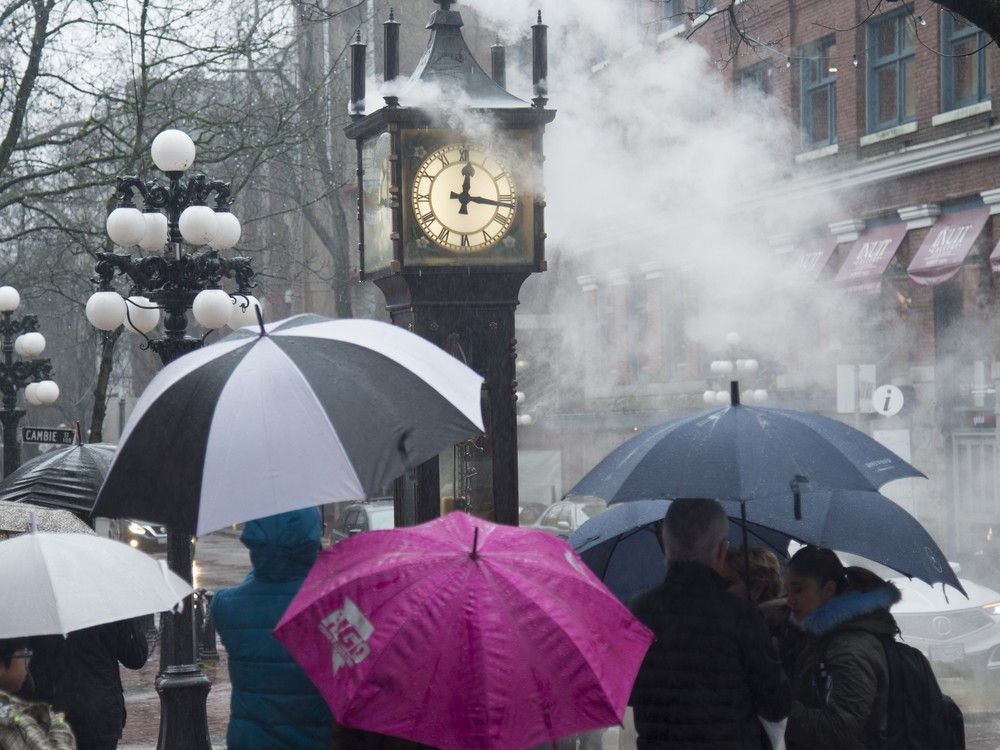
column 79, row 676
column 712, row 668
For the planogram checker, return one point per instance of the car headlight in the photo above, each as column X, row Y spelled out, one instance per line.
column 139, row 530
column 993, row 608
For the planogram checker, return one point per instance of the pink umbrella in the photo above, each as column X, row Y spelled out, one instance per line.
column 461, row 633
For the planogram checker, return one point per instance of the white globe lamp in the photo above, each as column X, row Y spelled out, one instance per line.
column 173, row 151
column 31, row 394
column 733, row 338
column 244, row 312
column 32, row 344
column 212, row 308
column 708, row 397
column 156, row 233
column 47, row 391
column 143, row 316
column 722, row 398
column 760, row 395
column 9, row 299
column 126, row 226
column 227, row 231
column 106, row 310
column 197, row 224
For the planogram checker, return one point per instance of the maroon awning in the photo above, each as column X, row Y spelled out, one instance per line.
column 941, row 255
column 811, row 258
column 869, row 257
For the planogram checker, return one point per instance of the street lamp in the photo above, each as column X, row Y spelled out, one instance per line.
column 721, row 372
column 174, row 280
column 32, row 375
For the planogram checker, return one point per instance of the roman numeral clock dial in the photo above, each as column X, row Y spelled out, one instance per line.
column 464, row 199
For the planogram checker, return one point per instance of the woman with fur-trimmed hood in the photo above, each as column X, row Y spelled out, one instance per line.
column 840, row 680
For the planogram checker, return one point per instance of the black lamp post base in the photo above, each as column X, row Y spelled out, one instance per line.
column 183, row 690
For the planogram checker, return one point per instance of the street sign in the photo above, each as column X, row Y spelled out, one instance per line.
column 48, row 435
column 887, row 400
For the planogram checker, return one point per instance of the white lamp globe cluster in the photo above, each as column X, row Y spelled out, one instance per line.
column 724, row 368
column 29, row 345
column 173, row 152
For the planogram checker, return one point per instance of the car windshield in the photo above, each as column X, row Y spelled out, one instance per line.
column 381, row 518
column 592, row 510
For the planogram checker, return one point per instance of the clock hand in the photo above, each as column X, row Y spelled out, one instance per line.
column 489, row 202
column 468, row 170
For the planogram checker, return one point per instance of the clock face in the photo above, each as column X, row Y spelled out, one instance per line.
column 464, row 199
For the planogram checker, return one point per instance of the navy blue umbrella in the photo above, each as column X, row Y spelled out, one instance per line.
column 624, row 549
column 742, row 453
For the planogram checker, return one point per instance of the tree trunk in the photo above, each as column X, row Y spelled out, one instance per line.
column 108, row 342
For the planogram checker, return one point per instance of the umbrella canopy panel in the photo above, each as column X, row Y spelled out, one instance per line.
column 313, row 412
column 58, row 583
column 740, row 453
column 67, row 478
column 624, row 548
column 17, row 518
column 408, row 633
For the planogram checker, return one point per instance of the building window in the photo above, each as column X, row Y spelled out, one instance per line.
column 756, row 78
column 965, row 76
column 672, row 12
column 818, row 93
column 892, row 98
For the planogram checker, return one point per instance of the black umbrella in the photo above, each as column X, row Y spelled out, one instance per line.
column 301, row 412
column 65, row 478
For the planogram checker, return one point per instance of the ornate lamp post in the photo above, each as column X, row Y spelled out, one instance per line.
column 722, row 371
column 32, row 375
column 174, row 280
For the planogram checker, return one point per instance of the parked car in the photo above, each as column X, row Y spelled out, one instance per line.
column 149, row 537
column 529, row 513
column 358, row 517
column 960, row 637
column 564, row 517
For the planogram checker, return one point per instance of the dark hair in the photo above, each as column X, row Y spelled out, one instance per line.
column 819, row 563
column 693, row 528
column 862, row 580
column 9, row 647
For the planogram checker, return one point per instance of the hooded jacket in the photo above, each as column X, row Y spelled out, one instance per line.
column 274, row 705
column 841, row 678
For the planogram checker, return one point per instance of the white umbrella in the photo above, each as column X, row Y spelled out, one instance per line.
column 57, row 583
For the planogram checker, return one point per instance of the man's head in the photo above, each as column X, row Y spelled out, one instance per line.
column 696, row 531
column 14, row 657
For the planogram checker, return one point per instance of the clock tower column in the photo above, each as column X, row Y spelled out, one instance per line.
column 452, row 223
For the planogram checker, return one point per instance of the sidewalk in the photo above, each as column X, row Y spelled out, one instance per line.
column 142, row 703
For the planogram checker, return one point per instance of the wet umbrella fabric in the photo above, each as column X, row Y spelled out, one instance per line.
column 460, row 633
column 18, row 518
column 624, row 548
column 58, row 583
column 742, row 453
column 316, row 411
column 66, row 478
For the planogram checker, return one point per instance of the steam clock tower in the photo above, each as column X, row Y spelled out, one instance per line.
column 451, row 215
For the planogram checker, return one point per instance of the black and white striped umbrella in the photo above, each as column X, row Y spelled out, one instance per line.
column 306, row 412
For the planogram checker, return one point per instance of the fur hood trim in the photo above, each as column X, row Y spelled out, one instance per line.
column 846, row 607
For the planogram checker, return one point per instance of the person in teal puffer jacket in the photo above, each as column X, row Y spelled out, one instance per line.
column 274, row 705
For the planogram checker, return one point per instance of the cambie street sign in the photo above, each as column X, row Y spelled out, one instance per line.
column 48, row 435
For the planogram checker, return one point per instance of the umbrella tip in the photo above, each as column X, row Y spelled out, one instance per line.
column 475, row 544
column 260, row 319
column 734, row 392
column 79, row 433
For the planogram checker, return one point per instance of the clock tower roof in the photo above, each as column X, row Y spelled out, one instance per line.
column 448, row 63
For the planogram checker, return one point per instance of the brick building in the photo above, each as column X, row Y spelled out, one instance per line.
column 896, row 121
